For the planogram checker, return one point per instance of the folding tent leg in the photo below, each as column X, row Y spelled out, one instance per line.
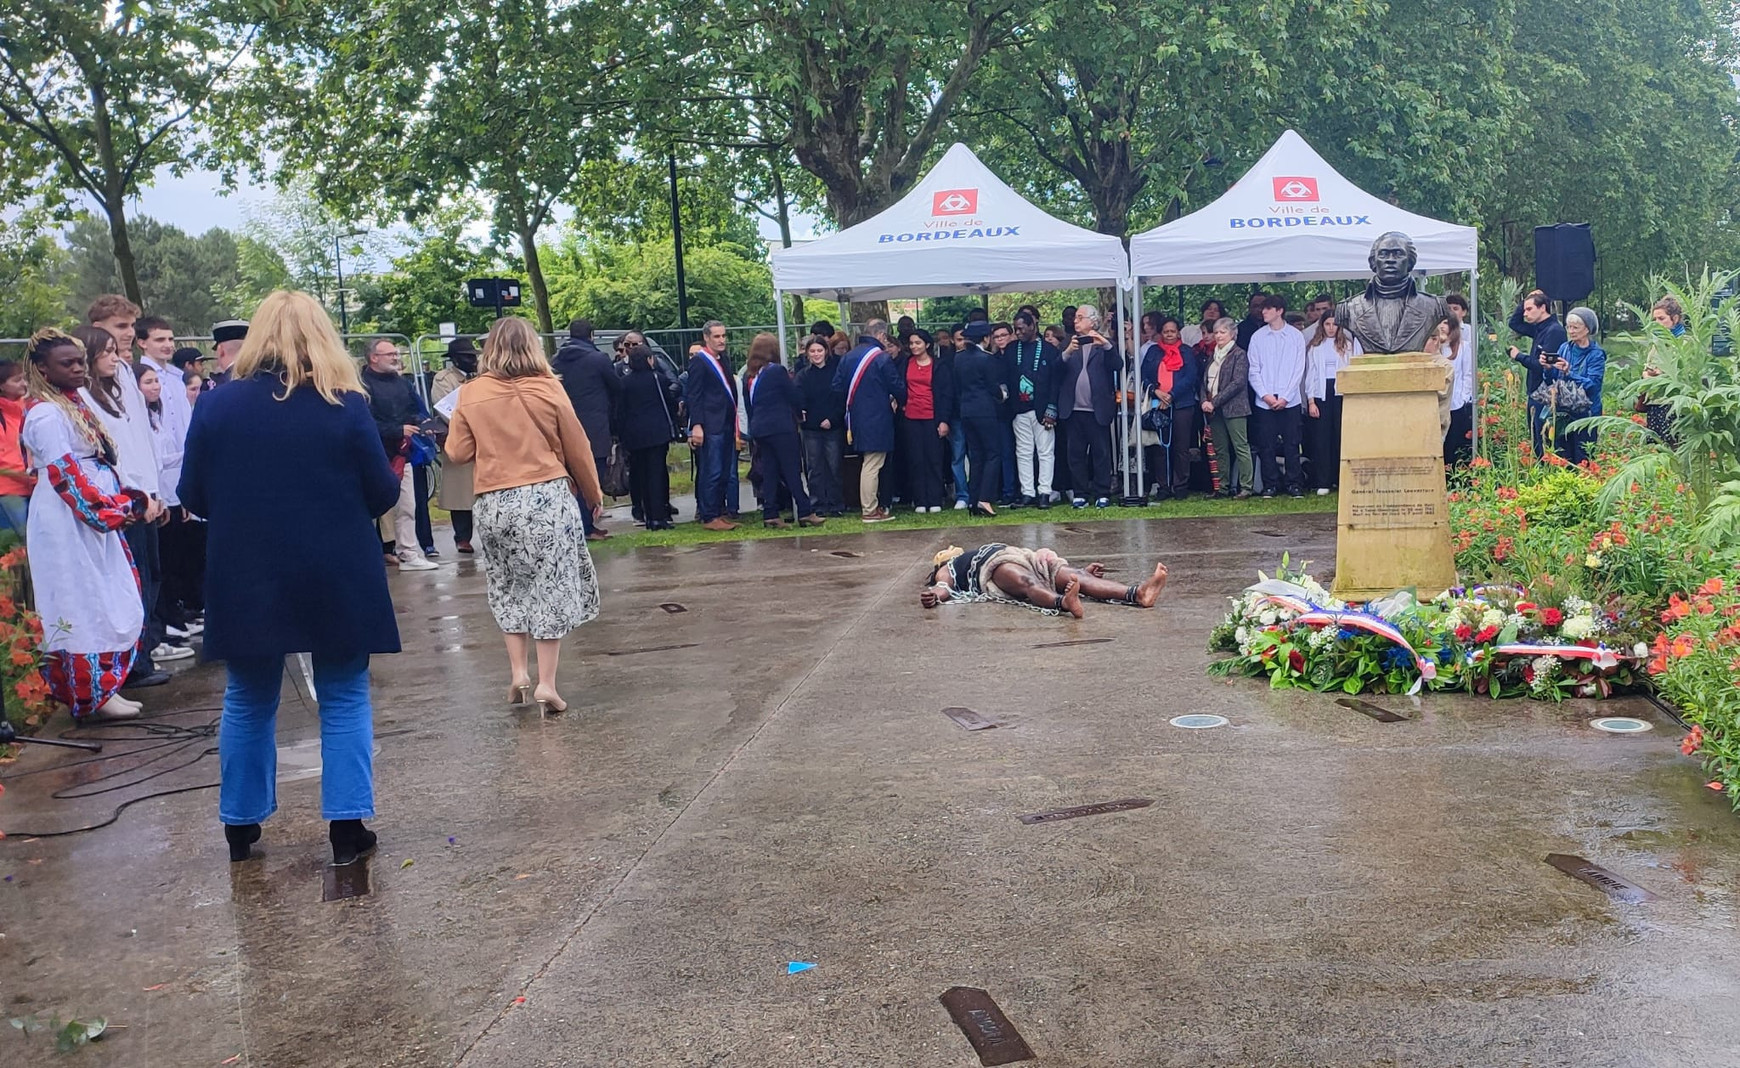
column 1474, row 324
column 779, row 320
column 1136, row 325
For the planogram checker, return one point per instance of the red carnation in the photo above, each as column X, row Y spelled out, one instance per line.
column 1552, row 617
column 1464, row 632
column 1296, row 660
column 1486, row 634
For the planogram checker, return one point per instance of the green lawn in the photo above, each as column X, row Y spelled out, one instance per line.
column 626, row 536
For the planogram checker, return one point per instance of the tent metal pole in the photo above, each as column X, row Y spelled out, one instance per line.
column 1136, row 324
column 845, row 317
column 779, row 318
column 1474, row 323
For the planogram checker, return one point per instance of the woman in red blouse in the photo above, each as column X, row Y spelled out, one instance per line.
column 924, row 422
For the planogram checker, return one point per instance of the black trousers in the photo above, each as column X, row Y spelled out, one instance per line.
column 461, row 524
column 181, row 550
column 1169, row 462
column 649, row 482
column 822, row 452
column 1090, row 457
column 142, row 540
column 927, row 461
column 984, row 458
column 1323, row 442
column 782, row 475
column 420, row 485
column 1276, row 440
column 1458, row 444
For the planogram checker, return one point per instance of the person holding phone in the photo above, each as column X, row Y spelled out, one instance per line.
column 1087, row 387
column 1534, row 319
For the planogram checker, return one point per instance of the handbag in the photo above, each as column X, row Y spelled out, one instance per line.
column 613, row 479
column 1159, row 420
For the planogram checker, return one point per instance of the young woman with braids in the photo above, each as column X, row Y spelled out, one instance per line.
column 86, row 590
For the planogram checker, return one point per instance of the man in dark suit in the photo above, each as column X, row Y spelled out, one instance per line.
column 981, row 386
column 1535, row 320
column 871, row 385
column 1087, row 386
column 711, row 395
column 593, row 388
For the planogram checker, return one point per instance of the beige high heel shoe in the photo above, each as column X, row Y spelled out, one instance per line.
column 549, row 701
column 518, row 691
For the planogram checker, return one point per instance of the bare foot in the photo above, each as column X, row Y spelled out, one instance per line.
column 1072, row 598
column 1148, row 591
column 1096, row 570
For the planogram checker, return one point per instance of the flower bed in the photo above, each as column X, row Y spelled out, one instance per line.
column 1581, row 581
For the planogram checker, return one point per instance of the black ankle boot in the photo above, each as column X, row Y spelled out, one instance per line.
column 351, row 841
column 241, row 836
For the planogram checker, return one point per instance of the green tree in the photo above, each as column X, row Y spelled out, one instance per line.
column 109, row 94
column 1632, row 125
column 186, row 279
column 33, row 270
column 425, row 286
column 507, row 100
column 634, row 284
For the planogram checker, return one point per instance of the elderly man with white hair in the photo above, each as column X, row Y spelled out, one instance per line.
column 1087, row 403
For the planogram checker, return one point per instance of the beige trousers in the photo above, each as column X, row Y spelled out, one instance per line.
column 870, row 482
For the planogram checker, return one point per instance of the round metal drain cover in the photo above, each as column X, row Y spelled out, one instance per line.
column 1620, row 725
column 1198, row 721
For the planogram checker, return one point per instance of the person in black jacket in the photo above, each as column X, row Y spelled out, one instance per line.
column 397, row 412
column 645, row 423
column 823, row 430
column 773, row 404
column 1534, row 319
column 925, row 417
column 981, row 383
column 593, row 386
column 1033, row 366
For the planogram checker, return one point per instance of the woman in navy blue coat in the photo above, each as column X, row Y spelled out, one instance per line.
column 645, row 423
column 285, row 464
column 774, row 405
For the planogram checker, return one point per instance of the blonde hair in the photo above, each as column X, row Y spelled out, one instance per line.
column 513, row 350
column 290, row 334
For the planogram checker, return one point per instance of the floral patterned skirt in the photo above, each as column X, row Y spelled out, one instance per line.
column 540, row 576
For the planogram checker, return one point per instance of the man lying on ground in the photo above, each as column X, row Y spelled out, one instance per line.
column 1038, row 578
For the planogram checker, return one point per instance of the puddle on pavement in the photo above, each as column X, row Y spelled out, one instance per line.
column 342, row 881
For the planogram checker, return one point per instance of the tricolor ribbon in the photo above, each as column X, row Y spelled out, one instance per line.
column 724, row 379
column 1598, row 655
column 852, row 390
column 1312, row 616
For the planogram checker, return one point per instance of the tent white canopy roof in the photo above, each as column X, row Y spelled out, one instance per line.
column 960, row 231
column 1291, row 218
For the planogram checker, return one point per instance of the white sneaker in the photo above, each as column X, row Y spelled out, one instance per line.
column 960, row 506
column 936, row 507
column 165, row 651
column 416, row 563
column 189, row 631
column 117, row 707
column 1323, row 492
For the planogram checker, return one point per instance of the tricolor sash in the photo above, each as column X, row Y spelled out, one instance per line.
column 724, row 379
column 852, row 390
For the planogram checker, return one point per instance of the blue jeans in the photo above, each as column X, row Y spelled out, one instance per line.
column 248, row 739
column 711, row 497
column 958, row 459
column 733, row 486
column 13, row 513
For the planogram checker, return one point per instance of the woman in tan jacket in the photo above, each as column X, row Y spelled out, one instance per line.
column 530, row 457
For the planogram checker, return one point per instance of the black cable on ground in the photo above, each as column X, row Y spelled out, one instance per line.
column 172, row 738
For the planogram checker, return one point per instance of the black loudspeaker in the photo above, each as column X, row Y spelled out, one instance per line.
column 1565, row 261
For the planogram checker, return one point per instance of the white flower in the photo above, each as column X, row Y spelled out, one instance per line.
column 1243, row 635
column 1576, row 606
column 1579, row 627
column 1492, row 618
column 1640, row 650
column 1268, row 618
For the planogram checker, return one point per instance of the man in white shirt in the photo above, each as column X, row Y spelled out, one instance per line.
column 1459, row 439
column 176, row 547
column 1277, row 359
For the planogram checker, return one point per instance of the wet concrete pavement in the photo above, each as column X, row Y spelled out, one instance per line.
column 767, row 777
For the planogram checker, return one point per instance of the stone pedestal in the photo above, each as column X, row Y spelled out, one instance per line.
column 1393, row 529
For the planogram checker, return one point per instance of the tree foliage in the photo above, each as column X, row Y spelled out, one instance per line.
column 106, row 95
column 193, row 281
column 619, row 285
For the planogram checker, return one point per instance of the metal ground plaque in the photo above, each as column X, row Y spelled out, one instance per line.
column 1078, row 811
column 994, row 1038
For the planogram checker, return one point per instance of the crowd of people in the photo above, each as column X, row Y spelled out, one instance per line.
column 993, row 415
column 249, row 509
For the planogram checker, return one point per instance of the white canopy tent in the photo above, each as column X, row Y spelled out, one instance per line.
column 960, row 231
column 1293, row 218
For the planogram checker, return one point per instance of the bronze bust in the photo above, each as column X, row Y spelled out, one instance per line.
column 1392, row 315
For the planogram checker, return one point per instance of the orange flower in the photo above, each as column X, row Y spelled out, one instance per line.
column 1713, row 785
column 1712, row 587
column 1480, row 461
column 23, row 658
column 1676, row 609
column 1684, row 645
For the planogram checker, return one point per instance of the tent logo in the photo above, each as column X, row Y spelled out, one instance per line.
column 954, row 202
column 1289, row 188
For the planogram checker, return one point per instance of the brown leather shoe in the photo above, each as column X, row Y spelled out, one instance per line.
column 811, row 520
column 719, row 524
column 776, row 524
column 880, row 515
